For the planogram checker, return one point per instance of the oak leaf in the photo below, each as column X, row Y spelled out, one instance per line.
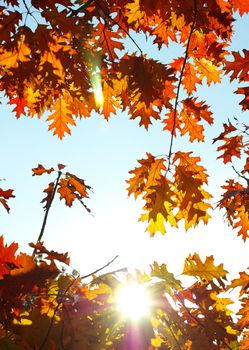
column 20, row 103
column 4, row 196
column 41, row 170
column 206, row 270
column 235, row 200
column 50, row 254
column 61, row 118
column 49, row 197
column 208, row 70
column 245, row 102
column 239, row 67
column 71, row 187
column 11, row 59
column 241, row 5
column 242, row 282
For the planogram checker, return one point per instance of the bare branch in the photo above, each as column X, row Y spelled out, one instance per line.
column 100, row 269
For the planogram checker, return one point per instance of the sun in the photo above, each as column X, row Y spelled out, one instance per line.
column 133, row 301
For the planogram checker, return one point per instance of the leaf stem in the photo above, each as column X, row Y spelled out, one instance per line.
column 100, row 269
column 179, row 84
column 47, row 211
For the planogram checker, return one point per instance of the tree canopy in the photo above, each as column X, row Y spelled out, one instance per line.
column 67, row 58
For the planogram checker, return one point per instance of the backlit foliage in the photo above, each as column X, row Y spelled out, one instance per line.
column 68, row 58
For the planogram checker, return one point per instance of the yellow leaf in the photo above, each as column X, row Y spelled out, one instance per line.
column 134, row 13
column 207, row 271
column 208, row 70
column 221, row 303
column 157, row 342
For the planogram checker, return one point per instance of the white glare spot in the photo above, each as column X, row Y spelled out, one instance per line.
column 133, row 301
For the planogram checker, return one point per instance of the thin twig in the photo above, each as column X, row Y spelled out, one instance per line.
column 228, row 346
column 81, row 8
column 47, row 211
column 240, row 175
column 29, row 13
column 100, row 269
column 26, row 6
column 179, row 84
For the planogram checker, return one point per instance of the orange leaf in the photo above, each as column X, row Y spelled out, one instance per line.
column 61, row 118
column 65, row 192
column 208, row 70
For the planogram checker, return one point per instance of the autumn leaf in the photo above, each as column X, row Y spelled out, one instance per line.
column 41, row 170
column 235, row 201
column 239, row 67
column 242, row 282
column 61, row 166
column 61, row 118
column 26, row 264
column 4, row 196
column 49, row 195
column 108, row 40
column 8, row 260
column 241, row 5
column 71, row 187
column 20, row 103
column 245, row 102
column 192, row 198
column 190, row 78
column 206, row 271
column 208, row 70
column 231, row 148
column 160, row 202
column 50, row 255
column 11, row 59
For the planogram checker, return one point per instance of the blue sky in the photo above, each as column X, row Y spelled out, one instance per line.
column 102, row 153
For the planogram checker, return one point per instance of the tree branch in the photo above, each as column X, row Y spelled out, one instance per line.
column 47, row 211
column 239, row 174
column 180, row 82
column 100, row 269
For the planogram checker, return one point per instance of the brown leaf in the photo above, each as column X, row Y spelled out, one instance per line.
column 41, row 170
column 4, row 196
column 50, row 254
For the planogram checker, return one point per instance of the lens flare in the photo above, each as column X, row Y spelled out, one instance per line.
column 133, row 301
column 97, row 87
